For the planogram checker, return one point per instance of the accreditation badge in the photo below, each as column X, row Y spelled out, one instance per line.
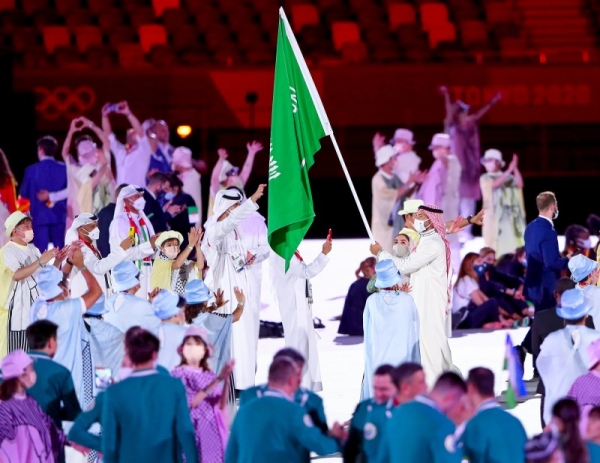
column 370, row 431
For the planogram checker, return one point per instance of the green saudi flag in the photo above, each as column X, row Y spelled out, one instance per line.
column 297, row 125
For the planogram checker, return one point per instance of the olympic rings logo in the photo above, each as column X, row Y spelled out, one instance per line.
column 63, row 101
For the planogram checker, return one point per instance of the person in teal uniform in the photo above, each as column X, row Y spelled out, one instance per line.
column 54, row 390
column 146, row 417
column 409, row 379
column 273, row 428
column 419, row 431
column 565, row 423
column 370, row 418
column 311, row 402
column 492, row 435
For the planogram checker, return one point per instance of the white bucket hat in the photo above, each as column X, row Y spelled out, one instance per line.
column 383, row 155
column 493, row 154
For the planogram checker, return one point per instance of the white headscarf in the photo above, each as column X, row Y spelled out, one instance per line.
column 82, row 219
column 224, row 199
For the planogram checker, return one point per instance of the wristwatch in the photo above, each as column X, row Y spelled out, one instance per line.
column 469, row 219
column 241, row 304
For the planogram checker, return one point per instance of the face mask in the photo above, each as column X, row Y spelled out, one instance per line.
column 555, row 216
column 169, row 196
column 139, row 204
column 480, row 269
column 585, row 244
column 194, row 353
column 171, row 252
column 94, row 234
column 27, row 235
column 400, row 250
column 419, row 225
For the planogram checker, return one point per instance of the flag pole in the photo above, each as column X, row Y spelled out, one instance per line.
column 351, row 185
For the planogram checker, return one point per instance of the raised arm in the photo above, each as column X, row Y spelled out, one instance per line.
column 134, row 121
column 106, row 126
column 94, row 291
column 76, row 125
column 215, row 185
column 516, row 172
column 447, row 105
column 253, row 148
column 482, row 111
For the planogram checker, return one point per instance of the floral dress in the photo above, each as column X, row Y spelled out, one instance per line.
column 209, row 422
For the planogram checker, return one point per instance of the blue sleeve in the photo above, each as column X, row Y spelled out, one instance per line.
column 317, row 413
column 550, row 252
column 184, row 427
column 110, row 429
column 79, row 432
column 25, row 188
column 353, row 446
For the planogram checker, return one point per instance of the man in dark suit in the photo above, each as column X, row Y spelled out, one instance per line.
column 154, row 192
column 105, row 216
column 544, row 262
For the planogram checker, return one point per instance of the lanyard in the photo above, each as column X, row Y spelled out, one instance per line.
column 136, row 233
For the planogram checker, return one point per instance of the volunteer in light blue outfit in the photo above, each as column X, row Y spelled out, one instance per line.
column 311, row 402
column 370, row 419
column 106, row 340
column 125, row 309
column 563, row 357
column 218, row 326
column 492, row 434
column 74, row 350
column 391, row 325
column 171, row 331
column 585, row 273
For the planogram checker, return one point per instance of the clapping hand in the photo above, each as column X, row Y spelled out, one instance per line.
column 239, row 295
column 62, row 254
column 514, row 163
column 153, row 294
column 378, row 141
column 226, row 371
column 123, row 108
column 405, row 287
column 193, row 237
column 478, row 219
column 48, row 255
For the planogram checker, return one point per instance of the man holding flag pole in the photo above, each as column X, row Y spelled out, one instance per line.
column 298, row 123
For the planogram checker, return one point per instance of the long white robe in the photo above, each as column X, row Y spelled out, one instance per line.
column 191, row 186
column 296, row 311
column 592, row 296
column 118, row 231
column 406, row 164
column 224, row 247
column 384, row 199
column 256, row 241
column 429, row 280
column 391, row 326
column 127, row 310
column 563, row 358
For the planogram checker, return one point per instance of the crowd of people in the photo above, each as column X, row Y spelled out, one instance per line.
column 127, row 314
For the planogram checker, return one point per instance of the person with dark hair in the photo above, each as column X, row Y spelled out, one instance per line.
column 274, row 428
column 370, row 419
column 154, row 194
column 27, row 434
column 351, row 322
column 483, row 443
column 410, row 382
column 54, row 389
column 311, row 402
column 563, row 357
column 146, row 416
column 565, row 422
column 513, row 264
column 105, row 217
column 207, row 398
column 45, row 186
column 421, row 430
column 161, row 159
column 188, row 216
column 578, row 241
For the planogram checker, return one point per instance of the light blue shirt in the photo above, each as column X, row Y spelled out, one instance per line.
column 126, row 310
column 171, row 337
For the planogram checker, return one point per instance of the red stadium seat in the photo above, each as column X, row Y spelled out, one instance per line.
column 140, row 16
column 98, row 6
column 55, row 36
column 174, row 19
column 121, row 35
column 401, row 13
column 24, row 38
column 344, row 32
column 433, row 14
column 304, row 15
column 77, row 18
column 162, row 56
column 442, row 33
column 473, row 33
column 87, row 36
column 354, row 52
column 152, row 34
column 498, row 12
column 100, row 57
column 161, row 5
column 131, row 55
column 7, row 5
column 110, row 19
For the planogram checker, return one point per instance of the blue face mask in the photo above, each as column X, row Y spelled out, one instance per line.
column 169, row 196
column 480, row 269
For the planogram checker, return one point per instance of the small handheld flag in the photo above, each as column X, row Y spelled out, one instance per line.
column 516, row 385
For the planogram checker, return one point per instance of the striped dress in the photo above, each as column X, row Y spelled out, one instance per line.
column 27, row 434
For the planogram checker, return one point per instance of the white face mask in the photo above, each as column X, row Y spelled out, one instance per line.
column 26, row 235
column 585, row 244
column 400, row 250
column 419, row 225
column 194, row 353
column 139, row 204
column 555, row 216
column 94, row 234
column 171, row 252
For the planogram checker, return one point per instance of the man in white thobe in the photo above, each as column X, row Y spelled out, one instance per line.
column 430, row 275
column 294, row 297
column 563, row 355
column 130, row 221
column 228, row 261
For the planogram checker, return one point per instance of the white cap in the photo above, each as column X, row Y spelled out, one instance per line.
column 403, row 135
column 493, row 154
column 440, row 139
column 383, row 155
column 410, row 206
column 182, row 156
